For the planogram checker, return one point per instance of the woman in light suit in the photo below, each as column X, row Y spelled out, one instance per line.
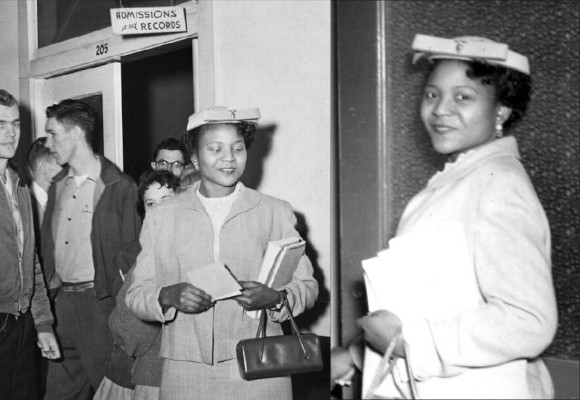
column 479, row 308
column 217, row 219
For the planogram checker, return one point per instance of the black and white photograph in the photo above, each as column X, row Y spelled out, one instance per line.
column 458, row 200
column 289, row 199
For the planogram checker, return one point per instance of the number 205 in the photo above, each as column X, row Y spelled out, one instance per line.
column 102, row 49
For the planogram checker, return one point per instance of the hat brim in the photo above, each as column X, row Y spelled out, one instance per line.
column 197, row 125
column 223, row 115
column 468, row 49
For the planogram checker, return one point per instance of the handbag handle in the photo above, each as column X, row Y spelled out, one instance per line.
column 386, row 366
column 261, row 333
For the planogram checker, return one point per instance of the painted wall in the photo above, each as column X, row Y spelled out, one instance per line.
column 11, row 78
column 275, row 55
column 9, row 47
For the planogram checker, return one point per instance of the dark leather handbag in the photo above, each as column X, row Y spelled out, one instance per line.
column 267, row 357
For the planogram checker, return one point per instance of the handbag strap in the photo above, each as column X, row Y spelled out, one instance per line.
column 294, row 325
column 412, row 382
column 262, row 326
column 261, row 333
column 386, row 366
column 384, row 369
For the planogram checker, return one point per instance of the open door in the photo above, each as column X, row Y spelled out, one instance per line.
column 100, row 88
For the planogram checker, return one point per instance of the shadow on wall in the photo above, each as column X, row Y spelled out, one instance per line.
column 312, row 386
column 252, row 178
column 259, row 151
column 311, row 316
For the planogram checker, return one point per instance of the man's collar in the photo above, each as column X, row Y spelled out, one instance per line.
column 3, row 172
column 93, row 174
column 39, row 194
column 10, row 173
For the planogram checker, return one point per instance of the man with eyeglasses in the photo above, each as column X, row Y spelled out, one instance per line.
column 170, row 155
column 24, row 303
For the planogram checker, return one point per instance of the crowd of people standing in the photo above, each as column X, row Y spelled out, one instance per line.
column 95, row 266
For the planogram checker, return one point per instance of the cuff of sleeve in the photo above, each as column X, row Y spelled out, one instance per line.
column 421, row 351
column 45, row 327
column 169, row 315
column 166, row 316
column 282, row 315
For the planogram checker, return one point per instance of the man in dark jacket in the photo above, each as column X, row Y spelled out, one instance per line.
column 90, row 222
column 43, row 168
column 24, row 303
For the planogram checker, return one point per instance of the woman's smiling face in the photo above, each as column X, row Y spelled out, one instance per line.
column 459, row 113
column 221, row 153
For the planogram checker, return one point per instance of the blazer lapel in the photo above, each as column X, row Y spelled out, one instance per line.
column 247, row 199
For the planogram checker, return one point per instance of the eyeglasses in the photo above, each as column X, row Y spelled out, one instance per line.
column 15, row 124
column 162, row 164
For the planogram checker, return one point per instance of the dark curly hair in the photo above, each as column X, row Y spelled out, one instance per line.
column 513, row 89
column 191, row 139
column 164, row 178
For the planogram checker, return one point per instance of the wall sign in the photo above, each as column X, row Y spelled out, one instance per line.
column 147, row 20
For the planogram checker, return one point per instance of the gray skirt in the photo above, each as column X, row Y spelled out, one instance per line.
column 186, row 380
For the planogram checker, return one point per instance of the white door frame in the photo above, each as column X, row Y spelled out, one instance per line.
column 37, row 66
column 104, row 80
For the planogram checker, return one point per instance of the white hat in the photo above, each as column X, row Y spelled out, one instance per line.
column 227, row 115
column 469, row 48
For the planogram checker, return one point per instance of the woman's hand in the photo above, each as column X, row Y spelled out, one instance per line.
column 380, row 328
column 341, row 365
column 256, row 296
column 185, row 298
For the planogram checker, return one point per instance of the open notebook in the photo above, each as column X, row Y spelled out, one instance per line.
column 216, row 280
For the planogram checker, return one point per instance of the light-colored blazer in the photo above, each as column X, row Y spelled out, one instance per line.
column 177, row 237
column 481, row 214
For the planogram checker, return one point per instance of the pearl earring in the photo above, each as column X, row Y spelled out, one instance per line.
column 498, row 127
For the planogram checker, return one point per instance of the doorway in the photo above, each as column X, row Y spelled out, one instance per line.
column 145, row 98
column 157, row 100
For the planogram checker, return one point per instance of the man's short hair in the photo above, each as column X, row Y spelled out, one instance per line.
column 74, row 113
column 38, row 152
column 6, row 99
column 170, row 144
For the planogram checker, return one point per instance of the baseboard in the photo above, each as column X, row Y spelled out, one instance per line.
column 566, row 377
